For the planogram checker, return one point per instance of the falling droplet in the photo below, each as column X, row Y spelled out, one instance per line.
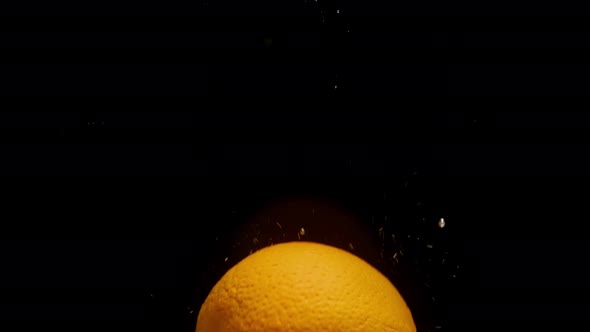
column 226, row 258
column 302, row 231
column 441, row 223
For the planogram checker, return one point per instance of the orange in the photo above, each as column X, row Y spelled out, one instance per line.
column 304, row 286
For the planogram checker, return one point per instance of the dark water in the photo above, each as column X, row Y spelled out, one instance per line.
column 141, row 253
column 357, row 124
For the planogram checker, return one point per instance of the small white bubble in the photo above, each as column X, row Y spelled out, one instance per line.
column 302, row 231
column 429, row 246
column 337, row 11
column 441, row 223
column 226, row 258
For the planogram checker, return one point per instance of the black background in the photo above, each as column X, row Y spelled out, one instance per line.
column 474, row 112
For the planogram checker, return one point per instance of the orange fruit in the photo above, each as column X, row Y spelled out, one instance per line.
column 304, row 286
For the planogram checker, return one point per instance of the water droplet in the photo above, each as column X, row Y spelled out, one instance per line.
column 302, row 231
column 226, row 258
column 441, row 223
column 350, row 246
column 337, row 11
column 429, row 246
